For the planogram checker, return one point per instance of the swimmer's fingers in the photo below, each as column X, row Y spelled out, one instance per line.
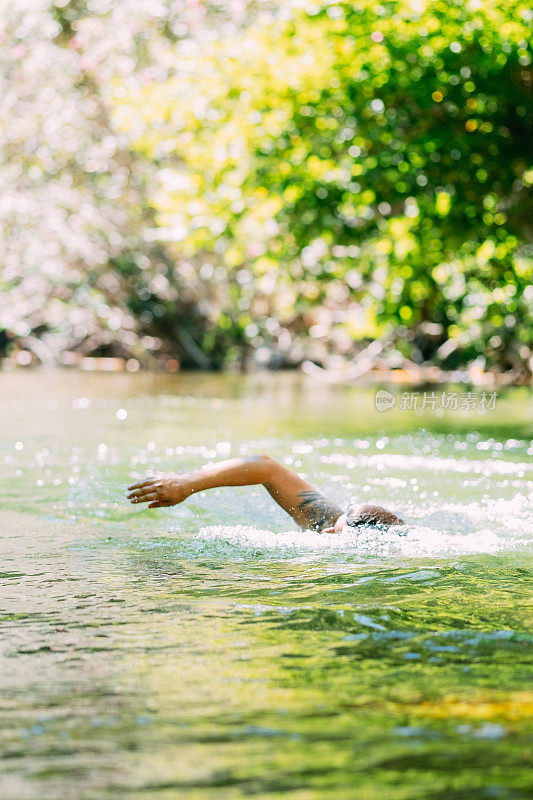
column 167, row 490
column 145, row 497
column 140, row 484
column 329, row 530
column 149, row 481
column 160, row 504
column 152, row 487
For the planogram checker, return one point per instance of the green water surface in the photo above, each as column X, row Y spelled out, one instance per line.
column 212, row 651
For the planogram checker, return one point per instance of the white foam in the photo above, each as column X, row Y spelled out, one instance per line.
column 417, row 540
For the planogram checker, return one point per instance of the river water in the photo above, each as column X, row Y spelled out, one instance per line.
column 211, row 650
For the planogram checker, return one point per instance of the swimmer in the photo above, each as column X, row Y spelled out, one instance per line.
column 308, row 508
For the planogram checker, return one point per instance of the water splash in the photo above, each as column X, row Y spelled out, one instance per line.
column 367, row 542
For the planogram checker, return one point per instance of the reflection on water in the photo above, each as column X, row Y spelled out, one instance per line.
column 212, row 651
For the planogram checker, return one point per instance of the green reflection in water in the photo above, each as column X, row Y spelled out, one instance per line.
column 159, row 655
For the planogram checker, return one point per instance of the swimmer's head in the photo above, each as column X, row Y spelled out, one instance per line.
column 370, row 515
column 365, row 515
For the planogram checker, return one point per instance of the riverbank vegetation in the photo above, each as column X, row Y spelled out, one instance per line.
column 263, row 184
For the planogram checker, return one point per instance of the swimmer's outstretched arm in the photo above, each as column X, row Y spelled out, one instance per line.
column 298, row 498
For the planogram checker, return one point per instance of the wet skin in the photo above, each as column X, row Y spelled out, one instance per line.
column 308, row 508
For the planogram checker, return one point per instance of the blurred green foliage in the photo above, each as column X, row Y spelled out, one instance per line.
column 314, row 176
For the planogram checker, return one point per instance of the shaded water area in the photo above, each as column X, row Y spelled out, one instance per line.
column 211, row 650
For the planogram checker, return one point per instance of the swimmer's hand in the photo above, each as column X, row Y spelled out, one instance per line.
column 339, row 525
column 167, row 490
